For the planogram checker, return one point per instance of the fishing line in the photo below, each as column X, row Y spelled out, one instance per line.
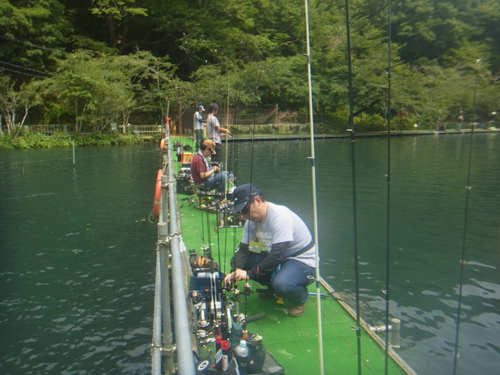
column 226, row 207
column 252, row 135
column 462, row 257
column 234, row 158
column 202, row 222
column 222, row 209
column 388, row 184
column 353, row 174
column 218, row 234
column 208, row 239
column 235, row 143
column 349, row 299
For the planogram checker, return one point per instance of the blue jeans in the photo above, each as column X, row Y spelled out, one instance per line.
column 290, row 280
column 198, row 133
column 216, row 181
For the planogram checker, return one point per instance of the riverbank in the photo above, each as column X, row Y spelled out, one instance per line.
column 347, row 134
column 61, row 140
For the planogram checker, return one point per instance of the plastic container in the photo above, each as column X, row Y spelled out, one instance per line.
column 242, row 355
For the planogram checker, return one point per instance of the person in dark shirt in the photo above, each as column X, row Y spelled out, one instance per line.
column 207, row 176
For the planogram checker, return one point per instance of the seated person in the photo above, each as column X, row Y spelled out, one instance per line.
column 206, row 176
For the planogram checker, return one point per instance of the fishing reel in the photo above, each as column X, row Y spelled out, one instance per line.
column 236, row 293
column 217, row 330
column 185, row 181
column 226, row 217
column 205, row 290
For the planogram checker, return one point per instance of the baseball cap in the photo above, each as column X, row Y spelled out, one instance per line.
column 243, row 195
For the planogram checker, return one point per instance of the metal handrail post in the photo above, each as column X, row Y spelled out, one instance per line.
column 164, row 259
column 166, row 323
column 156, row 344
column 184, row 349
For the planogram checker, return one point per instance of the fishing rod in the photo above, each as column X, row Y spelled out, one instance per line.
column 353, row 174
column 388, row 186
column 313, row 180
column 462, row 257
column 342, row 296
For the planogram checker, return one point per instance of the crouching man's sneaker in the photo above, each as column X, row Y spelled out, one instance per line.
column 297, row 310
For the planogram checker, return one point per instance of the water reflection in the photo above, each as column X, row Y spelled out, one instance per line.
column 77, row 256
column 76, row 260
column 428, row 198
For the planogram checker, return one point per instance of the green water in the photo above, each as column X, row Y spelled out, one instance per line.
column 77, row 260
column 427, row 205
column 77, row 252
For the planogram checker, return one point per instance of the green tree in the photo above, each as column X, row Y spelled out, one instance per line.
column 34, row 33
column 117, row 14
column 97, row 89
column 252, row 54
column 15, row 103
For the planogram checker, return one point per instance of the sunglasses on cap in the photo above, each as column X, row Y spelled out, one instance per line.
column 246, row 210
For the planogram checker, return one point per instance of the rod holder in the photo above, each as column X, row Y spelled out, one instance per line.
column 396, row 328
column 162, row 229
column 380, row 329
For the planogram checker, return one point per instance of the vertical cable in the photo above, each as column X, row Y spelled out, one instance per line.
column 313, row 180
column 253, row 127
column 388, row 189
column 354, row 193
column 462, row 257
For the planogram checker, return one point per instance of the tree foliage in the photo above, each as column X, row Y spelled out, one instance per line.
column 96, row 89
column 102, row 61
column 15, row 103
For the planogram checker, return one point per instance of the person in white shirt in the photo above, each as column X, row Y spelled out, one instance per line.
column 214, row 131
column 198, row 125
column 277, row 248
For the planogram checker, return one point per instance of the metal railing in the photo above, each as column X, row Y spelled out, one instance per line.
column 47, row 129
column 171, row 332
column 69, row 129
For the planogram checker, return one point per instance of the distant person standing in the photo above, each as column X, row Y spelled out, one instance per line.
column 460, row 121
column 198, row 125
column 491, row 120
column 214, row 131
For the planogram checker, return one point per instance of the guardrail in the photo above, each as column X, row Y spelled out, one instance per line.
column 145, row 129
column 47, row 129
column 67, row 129
column 171, row 332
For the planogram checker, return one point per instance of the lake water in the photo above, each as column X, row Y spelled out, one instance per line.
column 77, row 261
column 77, row 251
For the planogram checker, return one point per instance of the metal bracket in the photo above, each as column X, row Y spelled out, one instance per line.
column 164, row 351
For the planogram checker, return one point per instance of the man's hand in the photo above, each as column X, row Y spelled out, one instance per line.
column 236, row 276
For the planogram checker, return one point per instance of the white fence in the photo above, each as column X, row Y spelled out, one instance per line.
column 66, row 129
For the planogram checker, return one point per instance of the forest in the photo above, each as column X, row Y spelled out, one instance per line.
column 93, row 63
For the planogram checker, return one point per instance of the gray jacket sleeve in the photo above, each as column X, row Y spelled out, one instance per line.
column 276, row 256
